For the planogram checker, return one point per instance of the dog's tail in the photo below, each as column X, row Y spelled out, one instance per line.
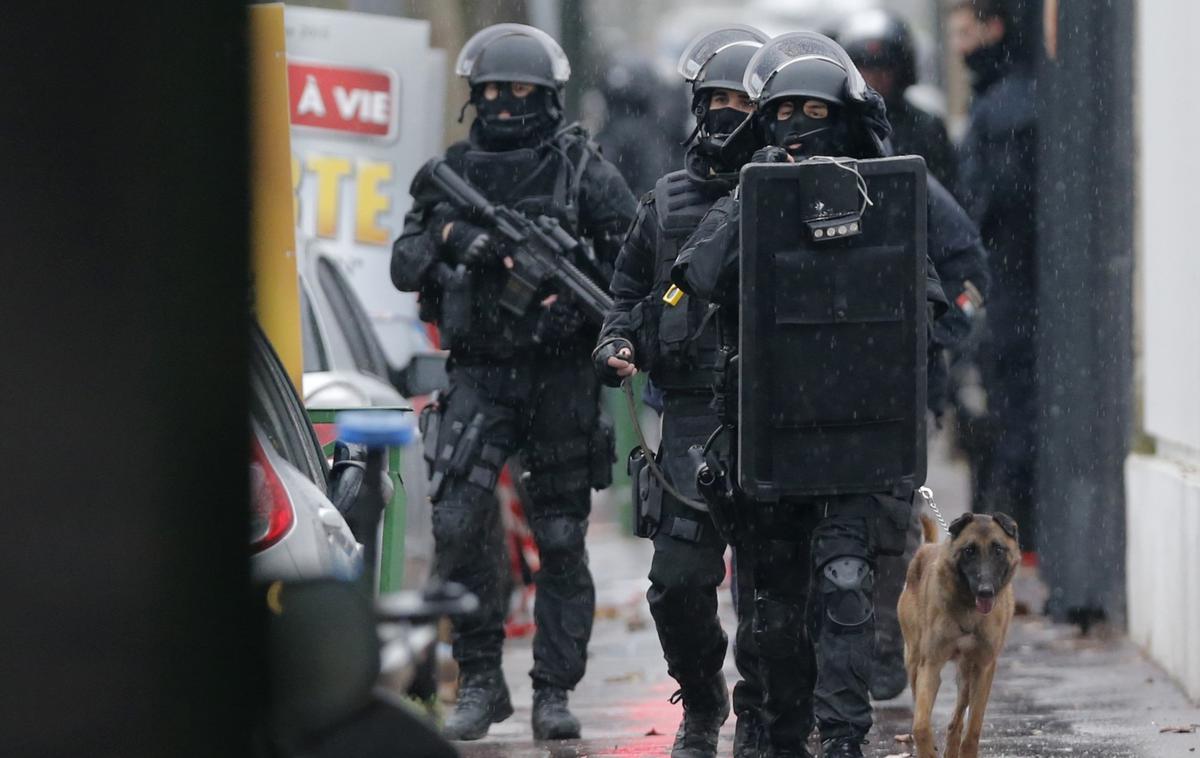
column 928, row 528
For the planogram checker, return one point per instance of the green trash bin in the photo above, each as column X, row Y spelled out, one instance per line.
column 395, row 516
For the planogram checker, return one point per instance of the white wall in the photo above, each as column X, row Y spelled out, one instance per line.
column 1163, row 489
column 1170, row 251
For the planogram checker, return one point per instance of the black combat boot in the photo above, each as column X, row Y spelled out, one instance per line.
column 551, row 718
column 842, row 747
column 888, row 677
column 482, row 701
column 705, row 708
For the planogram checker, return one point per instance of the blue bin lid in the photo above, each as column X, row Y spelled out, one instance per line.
column 375, row 428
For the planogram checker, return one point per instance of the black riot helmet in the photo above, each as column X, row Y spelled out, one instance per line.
column 803, row 66
column 515, row 53
column 717, row 60
column 879, row 38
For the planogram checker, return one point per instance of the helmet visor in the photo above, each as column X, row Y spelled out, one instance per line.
column 708, row 44
column 476, row 45
column 788, row 48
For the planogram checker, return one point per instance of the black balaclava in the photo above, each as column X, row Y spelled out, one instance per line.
column 719, row 123
column 816, row 136
column 531, row 118
column 710, row 156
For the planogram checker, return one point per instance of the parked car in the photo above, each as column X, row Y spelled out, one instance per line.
column 296, row 532
column 345, row 367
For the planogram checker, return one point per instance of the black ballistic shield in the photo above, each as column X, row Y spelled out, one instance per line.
column 831, row 396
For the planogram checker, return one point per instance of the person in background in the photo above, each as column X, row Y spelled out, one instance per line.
column 881, row 45
column 632, row 138
column 998, row 187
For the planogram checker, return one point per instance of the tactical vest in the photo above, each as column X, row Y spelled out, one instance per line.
column 684, row 332
column 536, row 181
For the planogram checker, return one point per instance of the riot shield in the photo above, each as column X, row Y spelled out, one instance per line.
column 832, row 343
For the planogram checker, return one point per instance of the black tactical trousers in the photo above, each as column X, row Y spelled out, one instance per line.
column 815, row 639
column 689, row 566
column 547, row 411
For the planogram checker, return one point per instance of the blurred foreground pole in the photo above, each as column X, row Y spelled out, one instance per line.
column 123, row 331
column 1085, row 304
column 273, row 207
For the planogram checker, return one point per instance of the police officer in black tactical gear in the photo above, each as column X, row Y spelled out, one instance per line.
column 518, row 383
column 814, row 558
column 656, row 327
column 881, row 45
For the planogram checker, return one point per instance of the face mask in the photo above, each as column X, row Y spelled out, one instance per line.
column 721, row 122
column 804, row 136
column 527, row 116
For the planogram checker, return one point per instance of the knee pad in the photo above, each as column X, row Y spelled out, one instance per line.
column 458, row 526
column 560, row 541
column 779, row 628
column 846, row 586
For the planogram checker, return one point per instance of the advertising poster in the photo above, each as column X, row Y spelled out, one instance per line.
column 364, row 118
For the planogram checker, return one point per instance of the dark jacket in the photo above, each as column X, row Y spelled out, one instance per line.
column 998, row 174
column 564, row 177
column 666, row 218
column 918, row 132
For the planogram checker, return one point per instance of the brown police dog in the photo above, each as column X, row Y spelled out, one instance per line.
column 956, row 606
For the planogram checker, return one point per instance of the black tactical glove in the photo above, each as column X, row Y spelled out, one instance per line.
column 558, row 322
column 472, row 245
column 610, row 349
column 770, row 154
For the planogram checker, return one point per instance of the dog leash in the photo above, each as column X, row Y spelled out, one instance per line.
column 927, row 494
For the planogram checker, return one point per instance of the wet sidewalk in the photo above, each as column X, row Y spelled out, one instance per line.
column 1055, row 694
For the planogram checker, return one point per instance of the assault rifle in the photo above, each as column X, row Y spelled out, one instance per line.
column 542, row 250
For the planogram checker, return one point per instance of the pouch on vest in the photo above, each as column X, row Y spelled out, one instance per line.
column 647, row 495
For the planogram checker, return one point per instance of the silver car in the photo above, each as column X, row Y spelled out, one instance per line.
column 295, row 530
column 345, row 367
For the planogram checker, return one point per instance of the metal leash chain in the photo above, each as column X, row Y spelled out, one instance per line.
column 927, row 494
column 650, row 457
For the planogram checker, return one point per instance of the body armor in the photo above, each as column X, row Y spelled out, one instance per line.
column 531, row 180
column 680, row 327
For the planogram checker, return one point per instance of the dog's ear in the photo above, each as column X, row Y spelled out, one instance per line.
column 960, row 523
column 1007, row 524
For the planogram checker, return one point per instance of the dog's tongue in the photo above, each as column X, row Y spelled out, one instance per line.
column 984, row 604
